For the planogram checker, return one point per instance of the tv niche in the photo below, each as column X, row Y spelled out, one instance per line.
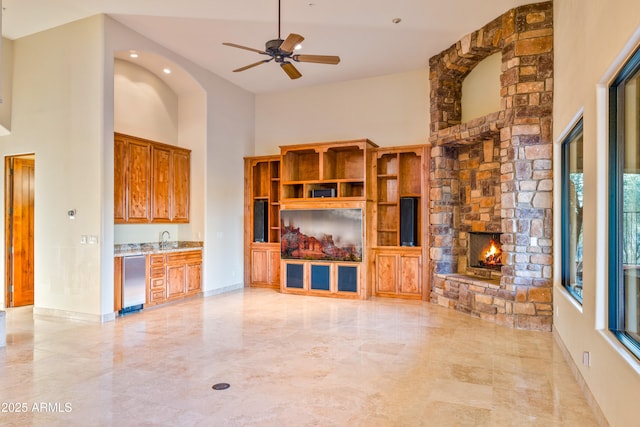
column 321, row 234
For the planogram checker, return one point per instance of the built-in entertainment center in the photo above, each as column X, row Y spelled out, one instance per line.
column 341, row 219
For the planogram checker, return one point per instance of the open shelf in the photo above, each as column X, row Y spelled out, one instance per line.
column 327, row 170
column 343, row 163
column 301, row 165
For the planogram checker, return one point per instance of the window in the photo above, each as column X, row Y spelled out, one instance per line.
column 572, row 203
column 624, row 205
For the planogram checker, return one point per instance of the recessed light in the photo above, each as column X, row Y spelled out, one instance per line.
column 133, row 54
column 396, row 20
column 167, row 71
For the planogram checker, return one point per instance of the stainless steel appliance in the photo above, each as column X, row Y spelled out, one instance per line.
column 133, row 283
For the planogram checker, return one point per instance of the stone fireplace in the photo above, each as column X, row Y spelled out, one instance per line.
column 493, row 174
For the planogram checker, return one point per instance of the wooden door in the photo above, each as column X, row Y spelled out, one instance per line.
column 181, row 186
column 160, row 184
column 19, row 230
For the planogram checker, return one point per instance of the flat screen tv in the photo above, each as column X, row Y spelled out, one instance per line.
column 321, row 234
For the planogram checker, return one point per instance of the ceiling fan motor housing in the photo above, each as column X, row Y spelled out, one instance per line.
column 272, row 47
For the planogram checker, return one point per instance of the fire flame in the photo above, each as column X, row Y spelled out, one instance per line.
column 493, row 256
column 492, row 251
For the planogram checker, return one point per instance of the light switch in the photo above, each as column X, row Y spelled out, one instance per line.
column 83, row 239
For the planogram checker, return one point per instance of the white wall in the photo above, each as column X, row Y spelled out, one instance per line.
column 57, row 114
column 6, row 86
column 591, row 39
column 389, row 110
column 144, row 105
column 481, row 89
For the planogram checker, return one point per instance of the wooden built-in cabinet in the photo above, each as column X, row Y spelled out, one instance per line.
column 400, row 247
column 389, row 186
column 325, row 176
column 173, row 275
column 262, row 221
column 151, row 181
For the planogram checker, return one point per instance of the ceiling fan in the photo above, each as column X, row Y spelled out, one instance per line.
column 282, row 52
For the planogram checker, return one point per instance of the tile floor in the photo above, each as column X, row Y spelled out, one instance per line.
column 290, row 361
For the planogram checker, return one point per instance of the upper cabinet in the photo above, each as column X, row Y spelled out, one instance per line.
column 336, row 169
column 151, row 181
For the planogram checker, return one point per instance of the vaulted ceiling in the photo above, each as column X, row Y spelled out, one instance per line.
column 361, row 32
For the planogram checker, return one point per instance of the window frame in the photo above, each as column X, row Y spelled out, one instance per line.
column 565, row 207
column 617, row 302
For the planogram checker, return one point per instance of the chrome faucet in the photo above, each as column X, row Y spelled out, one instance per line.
column 163, row 242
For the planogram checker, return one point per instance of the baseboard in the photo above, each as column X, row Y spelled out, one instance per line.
column 591, row 401
column 73, row 315
column 226, row 289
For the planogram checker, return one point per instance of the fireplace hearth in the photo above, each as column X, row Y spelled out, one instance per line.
column 485, row 251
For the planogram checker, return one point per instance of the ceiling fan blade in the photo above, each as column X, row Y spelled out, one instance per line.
column 291, row 71
column 246, row 67
column 318, row 59
column 290, row 42
column 245, row 48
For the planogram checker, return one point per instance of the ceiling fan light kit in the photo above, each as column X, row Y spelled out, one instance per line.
column 281, row 51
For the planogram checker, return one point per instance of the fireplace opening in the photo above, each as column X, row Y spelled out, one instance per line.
column 485, row 251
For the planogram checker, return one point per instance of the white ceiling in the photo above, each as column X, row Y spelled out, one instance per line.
column 361, row 32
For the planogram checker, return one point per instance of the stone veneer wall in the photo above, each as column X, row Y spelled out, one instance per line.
column 520, row 134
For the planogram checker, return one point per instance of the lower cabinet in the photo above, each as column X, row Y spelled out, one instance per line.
column 398, row 273
column 173, row 275
column 322, row 278
column 265, row 265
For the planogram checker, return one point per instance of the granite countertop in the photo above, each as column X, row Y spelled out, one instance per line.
column 129, row 249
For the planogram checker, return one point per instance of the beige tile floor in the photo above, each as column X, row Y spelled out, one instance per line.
column 291, row 361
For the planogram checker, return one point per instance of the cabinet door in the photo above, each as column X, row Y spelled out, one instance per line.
column 176, row 281
column 260, row 266
column 194, row 278
column 386, row 273
column 181, row 187
column 138, row 185
column 160, row 184
column 410, row 273
column 119, row 180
